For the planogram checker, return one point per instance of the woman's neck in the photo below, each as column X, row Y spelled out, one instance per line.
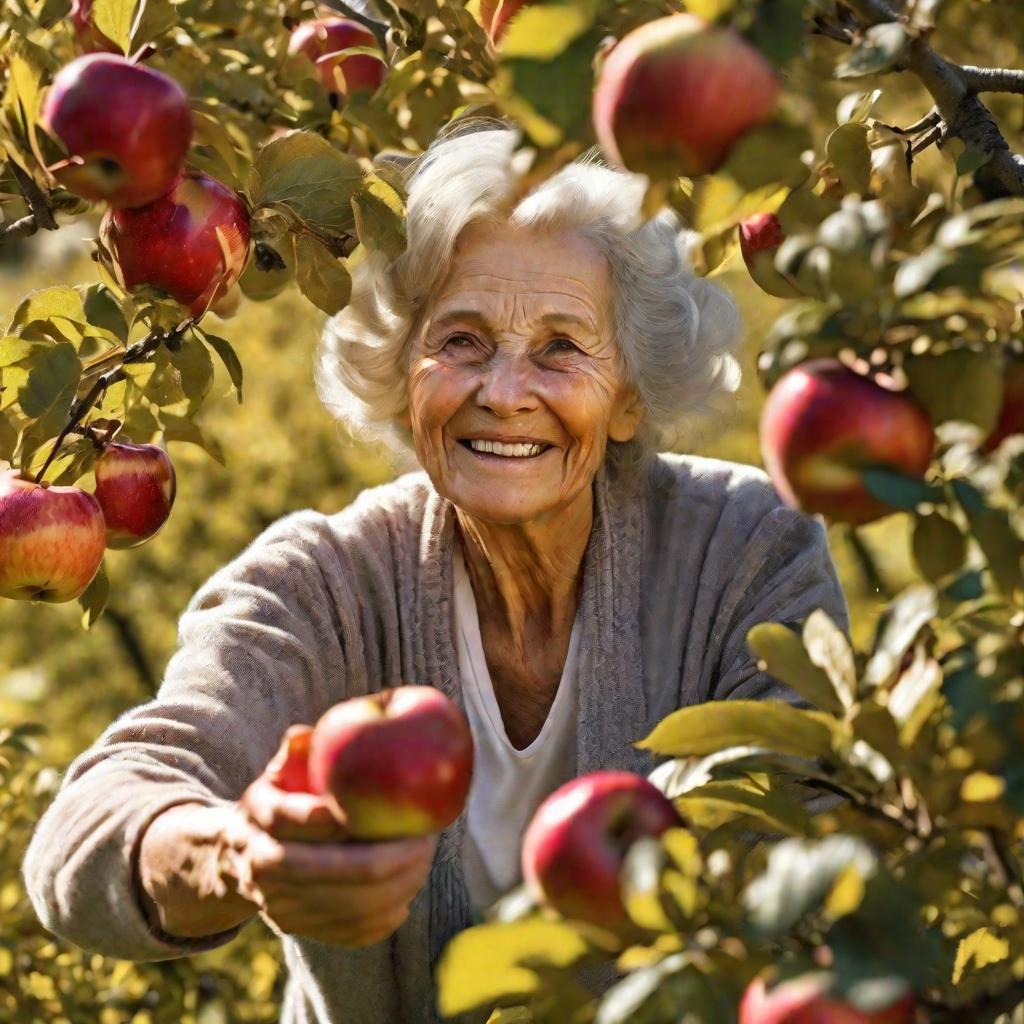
column 526, row 576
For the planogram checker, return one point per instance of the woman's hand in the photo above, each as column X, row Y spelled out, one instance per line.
column 286, row 853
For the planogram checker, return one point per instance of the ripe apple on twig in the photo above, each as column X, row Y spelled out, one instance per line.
column 126, row 128
column 191, row 243
column 135, row 487
column 51, row 540
column 575, row 845
column 321, row 41
column 760, row 238
column 676, row 94
column 822, row 424
column 806, row 1000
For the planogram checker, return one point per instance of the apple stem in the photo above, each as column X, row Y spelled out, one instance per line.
column 133, row 354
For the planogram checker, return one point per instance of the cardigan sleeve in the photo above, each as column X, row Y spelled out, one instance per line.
column 786, row 572
column 258, row 650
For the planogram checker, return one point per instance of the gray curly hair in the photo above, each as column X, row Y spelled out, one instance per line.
column 676, row 331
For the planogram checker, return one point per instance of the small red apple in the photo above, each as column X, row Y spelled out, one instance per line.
column 126, row 128
column 495, row 15
column 321, row 40
column 289, row 768
column 675, row 94
column 1011, row 415
column 575, row 844
column 393, row 764
column 135, row 486
column 805, row 1000
column 90, row 38
column 760, row 238
column 822, row 424
column 51, row 540
column 191, row 243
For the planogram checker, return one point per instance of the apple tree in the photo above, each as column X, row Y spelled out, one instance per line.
column 854, row 156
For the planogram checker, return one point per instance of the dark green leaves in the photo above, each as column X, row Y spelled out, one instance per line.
column 322, row 278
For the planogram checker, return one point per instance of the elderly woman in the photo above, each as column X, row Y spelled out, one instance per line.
column 546, row 568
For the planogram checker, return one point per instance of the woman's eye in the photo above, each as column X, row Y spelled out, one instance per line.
column 562, row 345
column 459, row 341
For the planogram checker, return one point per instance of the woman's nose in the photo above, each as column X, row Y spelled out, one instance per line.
column 507, row 387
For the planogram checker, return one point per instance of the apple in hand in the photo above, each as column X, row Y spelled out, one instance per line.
column 51, row 540
column 126, row 128
column 822, row 424
column 1011, row 414
column 575, row 845
column 760, row 238
column 393, row 764
column 676, row 94
column 135, row 486
column 321, row 40
column 806, row 1000
column 192, row 243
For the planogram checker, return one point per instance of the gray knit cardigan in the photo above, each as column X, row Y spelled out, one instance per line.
column 684, row 557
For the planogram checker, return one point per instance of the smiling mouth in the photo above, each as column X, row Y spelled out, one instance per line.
column 506, row 452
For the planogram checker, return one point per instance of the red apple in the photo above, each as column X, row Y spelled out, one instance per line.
column 392, row 764
column 575, row 844
column 675, row 95
column 289, row 768
column 760, row 238
column 496, row 14
column 822, row 424
column 805, row 1000
column 191, row 243
column 135, row 486
column 51, row 540
column 321, row 40
column 126, row 128
column 90, row 38
column 1011, row 415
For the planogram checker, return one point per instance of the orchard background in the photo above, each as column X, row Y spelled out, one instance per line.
column 902, row 257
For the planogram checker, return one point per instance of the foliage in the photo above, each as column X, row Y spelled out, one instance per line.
column 902, row 206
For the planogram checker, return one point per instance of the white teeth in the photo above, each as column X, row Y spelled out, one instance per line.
column 511, row 450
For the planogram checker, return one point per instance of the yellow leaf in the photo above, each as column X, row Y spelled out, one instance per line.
column 846, row 893
column 980, row 787
column 979, row 949
column 543, row 32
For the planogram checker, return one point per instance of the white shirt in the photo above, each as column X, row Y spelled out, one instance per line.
column 508, row 784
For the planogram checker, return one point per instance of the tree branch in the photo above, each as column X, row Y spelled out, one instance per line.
column 993, row 79
column 378, row 28
column 80, row 407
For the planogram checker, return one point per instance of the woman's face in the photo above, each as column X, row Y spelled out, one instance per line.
column 517, row 348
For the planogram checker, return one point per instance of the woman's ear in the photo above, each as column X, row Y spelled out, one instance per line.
column 626, row 417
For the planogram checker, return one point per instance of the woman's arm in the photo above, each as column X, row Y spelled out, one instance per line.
column 259, row 650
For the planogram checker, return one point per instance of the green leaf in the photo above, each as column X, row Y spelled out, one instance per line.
column 829, row 649
column 545, row 31
column 178, row 428
column 305, row 173
column 102, row 310
column 878, row 49
column 960, row 384
column 799, row 877
column 8, row 438
column 228, row 357
column 114, row 18
column 154, row 18
column 991, row 527
column 484, row 964
column 61, row 303
column 324, row 280
column 706, row 728
column 898, row 489
column 94, row 599
column 898, row 628
column 769, row 155
column 939, row 547
column 718, row 803
column 856, row 107
column 786, row 659
column 379, row 211
column 914, row 696
column 195, row 369
column 52, row 373
column 848, row 151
